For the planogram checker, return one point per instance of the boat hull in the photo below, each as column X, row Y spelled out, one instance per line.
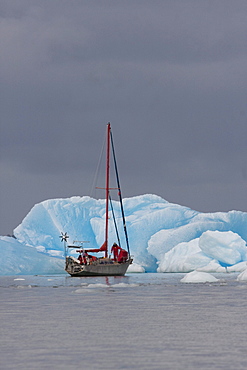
column 101, row 267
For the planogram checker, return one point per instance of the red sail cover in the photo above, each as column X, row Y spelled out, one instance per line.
column 101, row 249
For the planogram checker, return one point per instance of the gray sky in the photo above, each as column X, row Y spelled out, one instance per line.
column 170, row 76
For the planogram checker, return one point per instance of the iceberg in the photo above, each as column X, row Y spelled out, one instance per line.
column 163, row 236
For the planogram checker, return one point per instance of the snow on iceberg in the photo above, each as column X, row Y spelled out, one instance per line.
column 161, row 234
column 198, row 277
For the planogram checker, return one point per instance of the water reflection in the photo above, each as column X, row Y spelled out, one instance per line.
column 106, row 280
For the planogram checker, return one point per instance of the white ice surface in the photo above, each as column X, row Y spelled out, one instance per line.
column 228, row 248
column 242, row 276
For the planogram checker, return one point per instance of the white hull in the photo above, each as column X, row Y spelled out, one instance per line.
column 101, row 267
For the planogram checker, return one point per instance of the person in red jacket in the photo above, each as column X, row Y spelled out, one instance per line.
column 85, row 257
column 123, row 256
column 80, row 259
column 115, row 250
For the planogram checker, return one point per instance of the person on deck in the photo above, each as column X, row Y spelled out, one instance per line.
column 123, row 256
column 80, row 259
column 85, row 257
column 115, row 250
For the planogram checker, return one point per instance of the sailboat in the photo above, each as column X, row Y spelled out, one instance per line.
column 89, row 265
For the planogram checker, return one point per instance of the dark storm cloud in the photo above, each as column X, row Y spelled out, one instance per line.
column 169, row 75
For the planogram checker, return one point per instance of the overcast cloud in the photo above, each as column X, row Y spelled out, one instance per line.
column 170, row 76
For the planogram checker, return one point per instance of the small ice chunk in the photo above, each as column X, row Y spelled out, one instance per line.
column 198, row 277
column 135, row 267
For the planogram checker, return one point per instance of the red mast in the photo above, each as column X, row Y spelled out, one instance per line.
column 107, row 185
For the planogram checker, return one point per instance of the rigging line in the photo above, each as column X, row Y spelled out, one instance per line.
column 120, row 195
column 95, row 179
column 114, row 220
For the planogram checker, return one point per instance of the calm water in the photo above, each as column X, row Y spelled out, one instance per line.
column 140, row 321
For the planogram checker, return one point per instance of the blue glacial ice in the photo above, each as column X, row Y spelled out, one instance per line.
column 163, row 236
